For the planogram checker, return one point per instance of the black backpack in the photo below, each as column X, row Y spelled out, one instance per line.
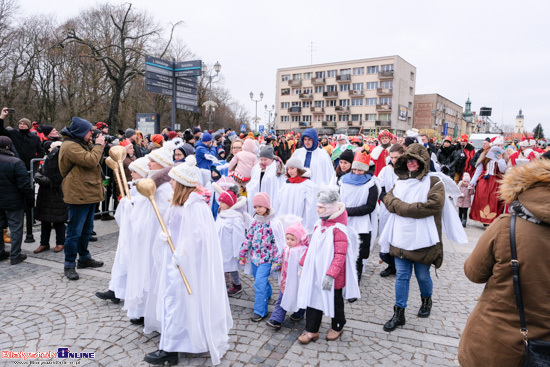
column 51, row 167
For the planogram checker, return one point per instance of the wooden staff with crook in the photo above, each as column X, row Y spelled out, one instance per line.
column 147, row 187
column 114, row 166
column 117, row 154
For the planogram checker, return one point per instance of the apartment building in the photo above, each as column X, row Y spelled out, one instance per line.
column 348, row 96
column 433, row 111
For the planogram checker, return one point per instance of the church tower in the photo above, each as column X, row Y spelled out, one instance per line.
column 518, row 128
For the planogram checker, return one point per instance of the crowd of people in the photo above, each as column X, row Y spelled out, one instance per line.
column 303, row 209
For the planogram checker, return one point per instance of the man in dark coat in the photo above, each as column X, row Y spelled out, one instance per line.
column 463, row 154
column 17, row 194
column 27, row 144
column 445, row 156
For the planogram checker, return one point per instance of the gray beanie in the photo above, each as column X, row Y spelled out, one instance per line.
column 267, row 152
column 327, row 195
column 129, row 133
column 296, row 163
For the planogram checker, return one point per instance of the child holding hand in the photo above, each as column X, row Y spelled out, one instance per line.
column 464, row 201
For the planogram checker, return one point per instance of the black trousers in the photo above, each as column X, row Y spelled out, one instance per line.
column 364, row 252
column 314, row 316
column 46, row 229
column 463, row 213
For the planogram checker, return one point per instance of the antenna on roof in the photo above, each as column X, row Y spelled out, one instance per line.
column 311, row 49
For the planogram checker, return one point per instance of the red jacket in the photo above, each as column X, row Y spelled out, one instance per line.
column 337, row 268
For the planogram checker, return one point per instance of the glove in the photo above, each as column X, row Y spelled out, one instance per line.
column 276, row 267
column 300, row 271
column 328, row 282
column 163, row 236
column 178, row 258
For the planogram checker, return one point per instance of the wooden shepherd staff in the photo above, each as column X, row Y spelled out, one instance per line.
column 117, row 154
column 114, row 166
column 147, row 187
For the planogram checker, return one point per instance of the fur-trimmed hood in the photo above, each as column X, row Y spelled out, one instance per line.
column 418, row 152
column 530, row 184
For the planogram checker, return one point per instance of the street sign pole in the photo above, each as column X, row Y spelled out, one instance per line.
column 174, row 96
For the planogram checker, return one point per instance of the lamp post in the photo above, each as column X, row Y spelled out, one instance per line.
column 269, row 115
column 256, row 100
column 211, row 104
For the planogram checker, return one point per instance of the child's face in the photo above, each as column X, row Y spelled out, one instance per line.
column 291, row 241
column 321, row 210
column 224, row 206
column 292, row 171
column 260, row 210
column 358, row 172
column 394, row 156
column 135, row 175
column 215, row 175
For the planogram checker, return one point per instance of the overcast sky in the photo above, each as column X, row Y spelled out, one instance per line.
column 498, row 52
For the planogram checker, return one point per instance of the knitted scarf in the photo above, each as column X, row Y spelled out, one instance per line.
column 356, row 180
column 522, row 212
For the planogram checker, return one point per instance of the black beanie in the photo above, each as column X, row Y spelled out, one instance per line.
column 46, row 129
column 347, row 155
column 409, row 141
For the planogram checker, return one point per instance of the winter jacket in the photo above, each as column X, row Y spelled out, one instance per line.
column 432, row 207
column 15, row 183
column 462, row 158
column 80, row 165
column 201, row 150
column 492, row 334
column 337, row 268
column 27, row 144
column 50, row 206
column 466, row 200
column 283, row 150
column 243, row 162
column 260, row 241
column 445, row 156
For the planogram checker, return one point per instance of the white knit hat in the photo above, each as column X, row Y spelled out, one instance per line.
column 140, row 166
column 164, row 155
column 295, row 162
column 186, row 173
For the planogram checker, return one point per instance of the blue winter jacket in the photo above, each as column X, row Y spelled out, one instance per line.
column 200, row 150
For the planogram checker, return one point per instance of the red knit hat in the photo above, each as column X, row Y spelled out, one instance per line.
column 157, row 138
column 124, row 143
column 172, row 135
column 464, row 138
column 385, row 133
column 228, row 197
column 261, row 199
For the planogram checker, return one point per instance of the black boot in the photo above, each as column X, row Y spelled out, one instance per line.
column 359, row 267
column 161, row 357
column 139, row 321
column 398, row 319
column 426, row 307
column 390, row 270
column 109, row 295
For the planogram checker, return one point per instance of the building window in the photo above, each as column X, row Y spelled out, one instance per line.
column 332, row 73
column 388, row 67
column 370, row 117
column 296, row 104
column 357, row 102
column 371, row 101
column 320, row 89
column 295, row 118
column 345, row 71
column 307, row 90
column 332, row 88
column 307, row 76
column 344, row 87
column 385, row 100
column 296, row 91
column 387, row 84
column 356, row 118
column 306, row 104
column 372, row 85
column 343, row 118
column 359, row 71
column 411, row 93
column 412, row 76
column 358, row 86
column 284, row 119
column 320, row 104
column 385, row 117
column 331, row 117
column 319, row 74
column 331, row 103
column 344, row 102
column 318, row 118
column 285, row 105
column 297, row 76
column 285, row 92
column 372, row 69
column 285, row 77
column 306, row 118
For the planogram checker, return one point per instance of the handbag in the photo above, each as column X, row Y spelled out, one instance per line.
column 537, row 352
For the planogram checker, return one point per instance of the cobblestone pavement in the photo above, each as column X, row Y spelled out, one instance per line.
column 43, row 311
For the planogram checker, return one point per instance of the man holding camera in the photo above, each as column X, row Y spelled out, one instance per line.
column 27, row 145
column 79, row 165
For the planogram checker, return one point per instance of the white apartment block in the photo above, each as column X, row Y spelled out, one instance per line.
column 348, row 96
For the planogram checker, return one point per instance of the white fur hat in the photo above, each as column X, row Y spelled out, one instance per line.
column 186, row 173
column 497, row 141
column 140, row 166
column 164, row 155
column 295, row 162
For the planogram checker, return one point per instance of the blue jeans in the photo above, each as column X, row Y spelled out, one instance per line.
column 12, row 219
column 81, row 225
column 262, row 288
column 279, row 313
column 403, row 278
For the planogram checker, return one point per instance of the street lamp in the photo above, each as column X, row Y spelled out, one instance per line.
column 256, row 100
column 269, row 116
column 211, row 104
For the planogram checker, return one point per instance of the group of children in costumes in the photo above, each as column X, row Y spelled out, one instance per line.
column 314, row 240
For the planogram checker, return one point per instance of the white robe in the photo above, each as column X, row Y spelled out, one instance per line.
column 387, row 179
column 197, row 322
column 271, row 183
column 230, row 226
column 290, row 296
column 321, row 166
column 119, row 272
column 298, row 199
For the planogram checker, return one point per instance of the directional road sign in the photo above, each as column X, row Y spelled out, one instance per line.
column 158, row 70
column 192, row 97
column 160, row 77
column 150, row 88
column 155, row 61
column 188, row 68
column 194, row 109
column 157, row 83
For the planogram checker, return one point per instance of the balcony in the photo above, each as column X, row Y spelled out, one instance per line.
column 317, row 110
column 383, row 107
column 343, row 78
column 306, row 96
column 382, row 124
column 384, row 91
column 356, row 93
column 317, row 81
column 305, row 123
column 295, row 110
column 295, row 83
column 330, row 95
column 328, row 123
column 341, row 110
column 385, row 74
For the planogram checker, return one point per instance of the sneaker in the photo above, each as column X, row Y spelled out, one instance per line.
column 274, row 324
column 105, row 217
column 295, row 318
column 139, row 321
column 71, row 274
column 4, row 255
column 234, row 290
column 464, row 223
column 109, row 295
column 352, row 300
column 93, row 239
column 89, row 264
column 257, row 318
column 19, row 259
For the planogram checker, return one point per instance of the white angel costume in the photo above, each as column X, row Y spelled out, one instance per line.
column 292, row 257
column 197, row 322
column 119, row 271
column 298, row 199
column 387, row 178
column 321, row 166
column 270, row 183
column 231, row 229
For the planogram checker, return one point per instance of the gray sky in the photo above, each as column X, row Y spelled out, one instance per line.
column 498, row 52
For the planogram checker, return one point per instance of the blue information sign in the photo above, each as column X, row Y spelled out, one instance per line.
column 261, row 128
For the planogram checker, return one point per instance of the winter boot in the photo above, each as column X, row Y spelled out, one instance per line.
column 390, row 270
column 398, row 319
column 426, row 307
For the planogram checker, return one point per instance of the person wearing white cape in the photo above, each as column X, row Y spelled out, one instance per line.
column 328, row 274
column 198, row 322
column 266, row 176
column 315, row 158
column 413, row 233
